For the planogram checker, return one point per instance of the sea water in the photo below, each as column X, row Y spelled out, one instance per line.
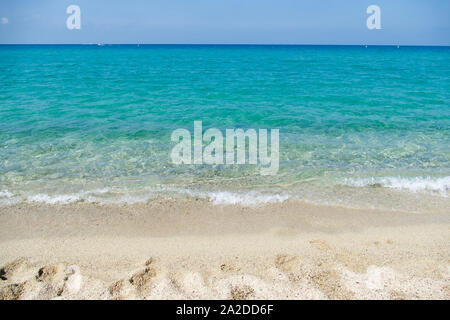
column 358, row 127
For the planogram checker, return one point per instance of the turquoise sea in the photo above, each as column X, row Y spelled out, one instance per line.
column 359, row 127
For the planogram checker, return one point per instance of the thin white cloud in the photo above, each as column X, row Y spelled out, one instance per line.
column 4, row 20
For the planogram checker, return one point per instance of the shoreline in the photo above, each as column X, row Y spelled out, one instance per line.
column 191, row 249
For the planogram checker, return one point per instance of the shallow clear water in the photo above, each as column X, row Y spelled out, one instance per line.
column 94, row 122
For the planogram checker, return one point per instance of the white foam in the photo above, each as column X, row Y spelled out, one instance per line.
column 124, row 199
column 66, row 198
column 252, row 198
column 217, row 198
column 415, row 184
column 55, row 199
column 7, row 198
column 6, row 194
column 117, row 196
column 245, row 199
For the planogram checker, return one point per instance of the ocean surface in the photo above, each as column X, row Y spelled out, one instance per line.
column 359, row 127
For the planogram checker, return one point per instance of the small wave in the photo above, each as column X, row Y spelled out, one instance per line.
column 7, row 198
column 106, row 196
column 6, row 194
column 251, row 198
column 66, row 198
column 416, row 184
column 100, row 196
column 246, row 199
column 55, row 199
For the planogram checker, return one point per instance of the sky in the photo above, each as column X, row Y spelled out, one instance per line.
column 403, row 22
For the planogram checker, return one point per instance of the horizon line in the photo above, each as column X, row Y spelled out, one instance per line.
column 229, row 44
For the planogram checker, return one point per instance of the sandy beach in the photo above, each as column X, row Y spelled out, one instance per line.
column 224, row 150
column 192, row 249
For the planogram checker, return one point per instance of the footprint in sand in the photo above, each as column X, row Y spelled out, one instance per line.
column 52, row 274
column 13, row 268
column 49, row 282
column 60, row 279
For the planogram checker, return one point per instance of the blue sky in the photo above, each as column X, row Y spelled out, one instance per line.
column 414, row 22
